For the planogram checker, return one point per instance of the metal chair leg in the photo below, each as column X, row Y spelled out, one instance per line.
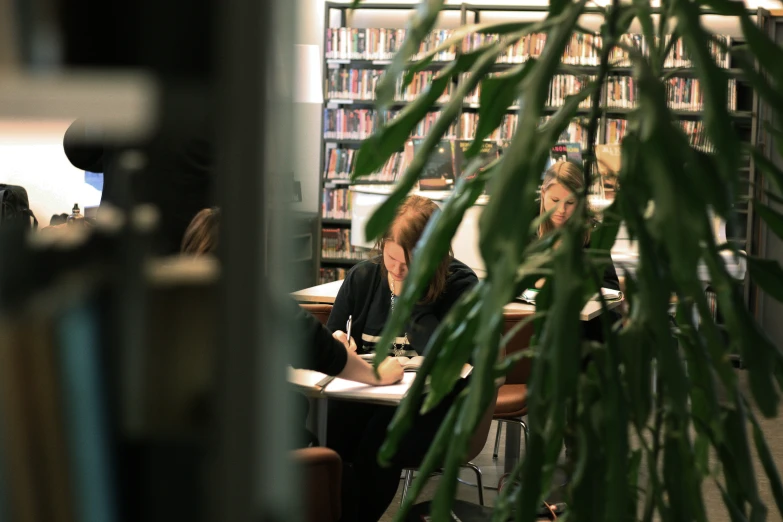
column 500, row 422
column 479, row 482
column 497, row 441
column 406, row 484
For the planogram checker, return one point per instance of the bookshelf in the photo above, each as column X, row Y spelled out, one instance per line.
column 358, row 45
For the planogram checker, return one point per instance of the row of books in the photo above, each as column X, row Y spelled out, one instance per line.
column 687, row 94
column 678, row 55
column 336, row 244
column 683, row 93
column 340, row 164
column 582, row 49
column 351, row 124
column 351, row 43
column 561, row 86
column 615, row 130
column 576, row 132
column 327, row 275
column 447, row 162
column 55, row 437
column 360, row 84
column 697, row 136
column 336, row 203
column 358, row 124
column 344, row 43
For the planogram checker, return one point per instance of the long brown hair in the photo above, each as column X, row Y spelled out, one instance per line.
column 406, row 230
column 570, row 176
column 201, row 236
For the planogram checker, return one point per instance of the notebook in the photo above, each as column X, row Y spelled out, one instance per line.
column 307, row 379
column 342, row 388
column 409, row 364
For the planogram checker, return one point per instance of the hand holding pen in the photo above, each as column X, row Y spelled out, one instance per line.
column 344, row 338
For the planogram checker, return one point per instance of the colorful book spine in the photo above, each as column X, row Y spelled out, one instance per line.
column 84, row 394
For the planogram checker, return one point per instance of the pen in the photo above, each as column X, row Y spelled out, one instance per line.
column 348, row 328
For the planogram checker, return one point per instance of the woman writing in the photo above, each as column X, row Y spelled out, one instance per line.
column 371, row 288
column 368, row 295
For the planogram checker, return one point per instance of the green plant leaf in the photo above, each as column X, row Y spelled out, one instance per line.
column 734, row 511
column 771, row 217
column 767, row 462
column 392, row 137
column 603, row 237
column 420, row 25
column 456, row 37
column 383, row 216
column 759, row 82
column 758, row 352
column 434, row 458
column 714, row 82
column 773, row 173
column 777, row 135
column 429, row 255
column 498, row 93
column 410, row 404
column 523, row 162
column 481, row 393
column 773, row 197
column 765, row 50
column 734, row 427
column 768, row 274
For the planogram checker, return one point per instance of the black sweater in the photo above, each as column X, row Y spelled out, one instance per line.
column 321, row 352
column 365, row 294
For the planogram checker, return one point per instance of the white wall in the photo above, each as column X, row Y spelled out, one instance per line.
column 307, row 116
column 31, row 155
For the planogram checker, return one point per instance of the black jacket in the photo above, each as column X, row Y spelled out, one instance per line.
column 176, row 176
column 322, row 352
column 364, row 281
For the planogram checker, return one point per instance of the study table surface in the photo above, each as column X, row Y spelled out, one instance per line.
column 327, row 292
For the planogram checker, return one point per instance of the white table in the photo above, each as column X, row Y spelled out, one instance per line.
column 326, row 293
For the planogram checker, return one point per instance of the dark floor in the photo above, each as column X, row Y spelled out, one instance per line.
column 492, row 470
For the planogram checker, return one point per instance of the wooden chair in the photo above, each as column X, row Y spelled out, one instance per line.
column 511, row 404
column 321, row 471
column 319, row 310
column 477, row 443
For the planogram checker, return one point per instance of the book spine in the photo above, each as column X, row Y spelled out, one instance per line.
column 83, row 393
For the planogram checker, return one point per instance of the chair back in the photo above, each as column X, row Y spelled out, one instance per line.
column 520, row 373
column 479, row 439
column 321, row 479
column 319, row 310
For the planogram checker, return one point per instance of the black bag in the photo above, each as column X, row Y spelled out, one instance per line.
column 15, row 207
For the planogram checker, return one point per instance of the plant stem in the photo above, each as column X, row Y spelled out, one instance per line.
column 652, row 463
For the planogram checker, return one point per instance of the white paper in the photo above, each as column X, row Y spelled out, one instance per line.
column 356, row 390
column 305, row 378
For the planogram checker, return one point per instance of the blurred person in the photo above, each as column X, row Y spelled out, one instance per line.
column 176, row 176
column 332, row 354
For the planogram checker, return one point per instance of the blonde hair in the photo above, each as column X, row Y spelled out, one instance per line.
column 409, row 223
column 201, row 236
column 570, row 176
